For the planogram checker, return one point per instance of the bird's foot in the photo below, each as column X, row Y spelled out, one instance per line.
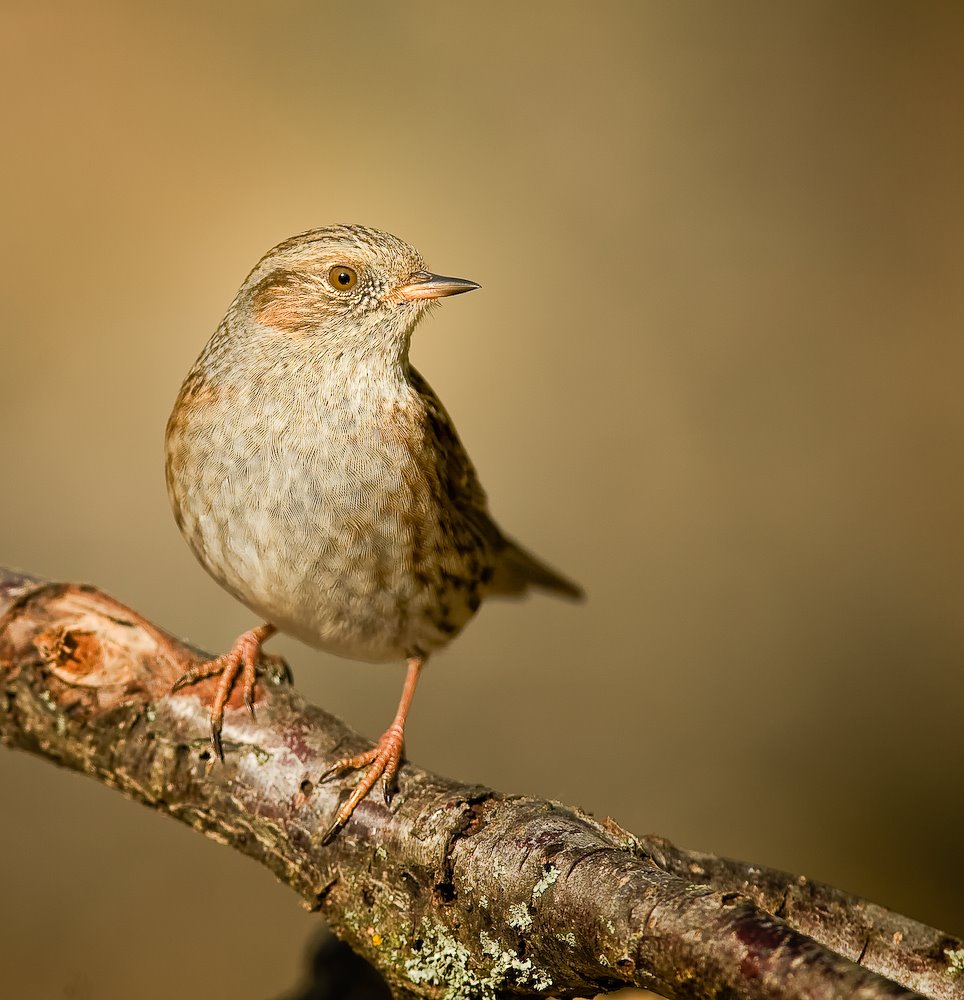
column 382, row 761
column 241, row 659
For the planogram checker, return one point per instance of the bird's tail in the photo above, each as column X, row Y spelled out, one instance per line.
column 518, row 570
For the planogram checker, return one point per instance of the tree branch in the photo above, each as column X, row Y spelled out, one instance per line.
column 455, row 890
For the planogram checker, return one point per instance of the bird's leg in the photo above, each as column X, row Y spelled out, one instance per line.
column 241, row 659
column 382, row 761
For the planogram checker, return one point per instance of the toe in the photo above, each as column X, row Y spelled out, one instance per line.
column 355, row 763
column 199, row 672
column 182, row 681
column 248, row 680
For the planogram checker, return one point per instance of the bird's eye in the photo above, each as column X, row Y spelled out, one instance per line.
column 342, row 277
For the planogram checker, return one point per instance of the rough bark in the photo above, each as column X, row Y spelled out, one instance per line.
column 454, row 890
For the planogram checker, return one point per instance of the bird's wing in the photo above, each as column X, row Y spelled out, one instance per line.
column 516, row 570
column 457, row 475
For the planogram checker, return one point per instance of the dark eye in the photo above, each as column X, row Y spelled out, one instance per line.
column 342, row 277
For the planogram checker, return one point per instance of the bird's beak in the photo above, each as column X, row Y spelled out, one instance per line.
column 424, row 285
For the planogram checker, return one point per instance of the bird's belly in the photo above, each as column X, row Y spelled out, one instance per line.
column 345, row 566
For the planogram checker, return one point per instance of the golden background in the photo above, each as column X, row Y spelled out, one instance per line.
column 714, row 374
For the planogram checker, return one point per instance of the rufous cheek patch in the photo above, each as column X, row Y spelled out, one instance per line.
column 287, row 301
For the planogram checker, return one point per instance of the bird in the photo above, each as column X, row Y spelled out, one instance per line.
column 318, row 478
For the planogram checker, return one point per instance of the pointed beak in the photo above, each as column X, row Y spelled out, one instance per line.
column 424, row 285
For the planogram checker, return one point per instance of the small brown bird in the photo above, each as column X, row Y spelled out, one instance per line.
column 318, row 478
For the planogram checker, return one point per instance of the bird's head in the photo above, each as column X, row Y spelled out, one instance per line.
column 345, row 288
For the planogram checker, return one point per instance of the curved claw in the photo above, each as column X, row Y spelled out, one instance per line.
column 332, row 832
column 329, row 773
column 216, row 724
column 388, row 788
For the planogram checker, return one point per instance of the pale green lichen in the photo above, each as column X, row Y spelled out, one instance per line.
column 443, row 961
column 522, row 970
column 392, row 943
column 955, row 961
column 381, row 853
column 50, row 703
column 490, row 947
column 519, row 917
column 552, row 873
column 568, row 938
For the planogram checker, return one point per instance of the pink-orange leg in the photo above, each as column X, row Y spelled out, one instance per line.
column 382, row 761
column 241, row 659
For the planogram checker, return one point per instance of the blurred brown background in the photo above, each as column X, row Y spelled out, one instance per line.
column 714, row 374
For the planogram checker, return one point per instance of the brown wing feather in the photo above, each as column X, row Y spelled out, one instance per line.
column 515, row 569
column 456, row 472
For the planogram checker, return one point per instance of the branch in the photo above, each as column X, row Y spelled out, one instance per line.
column 454, row 891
